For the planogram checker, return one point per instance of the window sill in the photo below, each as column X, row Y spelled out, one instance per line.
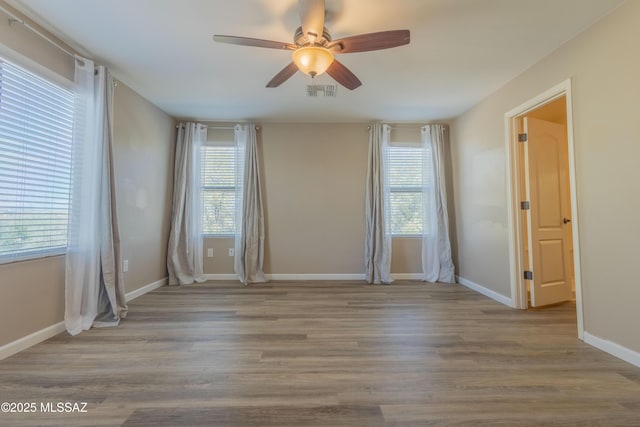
column 31, row 257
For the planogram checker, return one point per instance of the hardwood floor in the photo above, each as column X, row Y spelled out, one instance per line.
column 325, row 353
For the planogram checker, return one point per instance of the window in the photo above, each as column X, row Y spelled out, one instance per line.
column 405, row 205
column 36, row 122
column 219, row 189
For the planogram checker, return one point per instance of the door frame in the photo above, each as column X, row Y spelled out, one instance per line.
column 516, row 261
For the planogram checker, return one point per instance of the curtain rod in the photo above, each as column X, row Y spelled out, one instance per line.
column 407, row 127
column 13, row 18
column 401, row 127
column 218, row 127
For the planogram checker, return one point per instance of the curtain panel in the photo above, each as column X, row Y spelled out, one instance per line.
column 437, row 265
column 184, row 252
column 377, row 249
column 249, row 235
column 94, row 283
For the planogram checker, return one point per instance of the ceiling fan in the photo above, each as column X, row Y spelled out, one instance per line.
column 313, row 49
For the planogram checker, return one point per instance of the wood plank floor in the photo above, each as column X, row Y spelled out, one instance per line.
column 325, row 354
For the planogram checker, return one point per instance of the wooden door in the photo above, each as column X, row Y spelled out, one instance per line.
column 549, row 212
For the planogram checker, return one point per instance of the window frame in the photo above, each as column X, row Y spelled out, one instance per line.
column 40, row 72
column 405, row 189
column 206, row 188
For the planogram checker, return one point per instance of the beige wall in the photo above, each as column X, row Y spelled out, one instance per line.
column 31, row 297
column 406, row 255
column 220, row 262
column 144, row 147
column 313, row 178
column 26, row 43
column 32, row 292
column 604, row 75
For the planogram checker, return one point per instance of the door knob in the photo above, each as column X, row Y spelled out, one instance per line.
column 566, row 220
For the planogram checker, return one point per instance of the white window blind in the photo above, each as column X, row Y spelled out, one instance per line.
column 405, row 180
column 36, row 122
column 219, row 189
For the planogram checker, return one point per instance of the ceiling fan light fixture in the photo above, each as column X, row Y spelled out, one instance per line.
column 312, row 60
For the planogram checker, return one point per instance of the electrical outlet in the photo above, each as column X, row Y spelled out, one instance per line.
column 209, row 252
column 125, row 265
column 232, row 252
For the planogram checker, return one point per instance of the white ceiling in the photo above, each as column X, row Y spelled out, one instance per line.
column 460, row 52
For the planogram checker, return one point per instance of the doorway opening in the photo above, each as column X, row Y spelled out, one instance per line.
column 543, row 218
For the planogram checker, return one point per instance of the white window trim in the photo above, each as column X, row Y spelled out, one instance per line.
column 414, row 189
column 218, row 143
column 44, row 73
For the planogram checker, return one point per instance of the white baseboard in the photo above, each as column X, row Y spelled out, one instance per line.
column 406, row 276
column 44, row 334
column 221, row 276
column 315, row 276
column 146, row 288
column 484, row 291
column 292, row 276
column 30, row 340
column 284, row 277
column 614, row 349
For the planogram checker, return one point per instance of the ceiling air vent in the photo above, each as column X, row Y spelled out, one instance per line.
column 327, row 90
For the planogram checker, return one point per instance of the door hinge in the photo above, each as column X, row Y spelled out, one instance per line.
column 524, row 206
column 522, row 137
column 528, row 275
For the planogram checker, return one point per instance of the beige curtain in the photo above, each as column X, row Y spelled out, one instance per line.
column 437, row 265
column 184, row 252
column 377, row 249
column 249, row 236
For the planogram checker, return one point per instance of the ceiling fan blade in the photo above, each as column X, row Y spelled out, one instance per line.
column 342, row 75
column 312, row 18
column 246, row 41
column 283, row 75
column 371, row 41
